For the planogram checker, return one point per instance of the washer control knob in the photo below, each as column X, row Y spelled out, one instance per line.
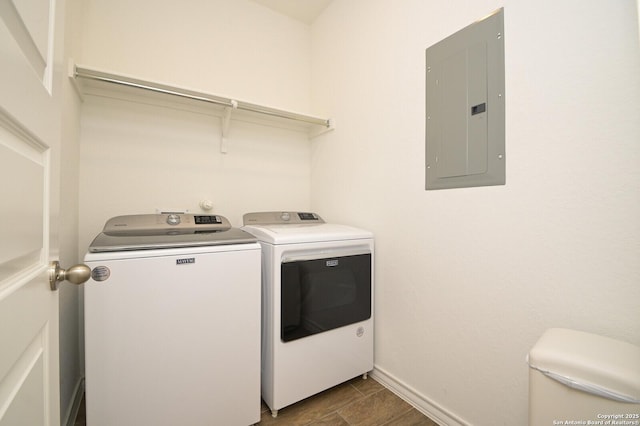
column 285, row 216
column 173, row 219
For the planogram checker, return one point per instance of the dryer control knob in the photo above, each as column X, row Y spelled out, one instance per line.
column 173, row 219
column 285, row 216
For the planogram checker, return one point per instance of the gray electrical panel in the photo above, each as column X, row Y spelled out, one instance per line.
column 465, row 136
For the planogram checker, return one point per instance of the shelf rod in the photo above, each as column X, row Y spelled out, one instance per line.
column 81, row 72
column 153, row 87
column 283, row 114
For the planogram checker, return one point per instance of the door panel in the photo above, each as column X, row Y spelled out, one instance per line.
column 29, row 24
column 21, row 224
column 26, row 389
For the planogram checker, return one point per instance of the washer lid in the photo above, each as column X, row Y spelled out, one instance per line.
column 153, row 231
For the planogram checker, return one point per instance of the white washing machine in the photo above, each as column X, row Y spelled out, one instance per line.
column 317, row 304
column 172, row 323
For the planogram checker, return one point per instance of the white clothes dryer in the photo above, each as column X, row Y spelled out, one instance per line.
column 172, row 323
column 317, row 304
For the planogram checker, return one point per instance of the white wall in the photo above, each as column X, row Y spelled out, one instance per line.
column 468, row 279
column 227, row 47
column 137, row 157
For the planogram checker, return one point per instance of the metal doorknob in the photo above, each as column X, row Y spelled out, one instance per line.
column 77, row 274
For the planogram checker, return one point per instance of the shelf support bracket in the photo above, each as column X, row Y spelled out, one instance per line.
column 331, row 125
column 226, row 120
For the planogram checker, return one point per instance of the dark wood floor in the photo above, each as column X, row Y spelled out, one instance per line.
column 357, row 402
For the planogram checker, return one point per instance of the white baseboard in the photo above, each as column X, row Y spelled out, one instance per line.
column 72, row 410
column 426, row 406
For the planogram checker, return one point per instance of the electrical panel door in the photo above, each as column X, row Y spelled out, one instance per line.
column 465, row 107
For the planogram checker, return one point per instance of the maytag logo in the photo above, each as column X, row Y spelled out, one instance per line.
column 332, row 262
column 185, row 260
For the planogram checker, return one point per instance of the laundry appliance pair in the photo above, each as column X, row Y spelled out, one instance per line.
column 189, row 320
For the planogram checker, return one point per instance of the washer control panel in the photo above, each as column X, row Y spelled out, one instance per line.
column 163, row 223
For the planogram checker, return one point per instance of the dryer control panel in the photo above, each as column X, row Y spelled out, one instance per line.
column 280, row 218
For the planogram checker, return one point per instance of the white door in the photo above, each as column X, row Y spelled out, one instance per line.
column 30, row 120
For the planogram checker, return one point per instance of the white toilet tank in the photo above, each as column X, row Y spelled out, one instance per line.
column 578, row 378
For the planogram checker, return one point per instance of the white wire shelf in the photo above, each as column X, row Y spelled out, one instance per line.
column 81, row 73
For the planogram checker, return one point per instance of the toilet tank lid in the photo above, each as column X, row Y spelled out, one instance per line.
column 589, row 362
